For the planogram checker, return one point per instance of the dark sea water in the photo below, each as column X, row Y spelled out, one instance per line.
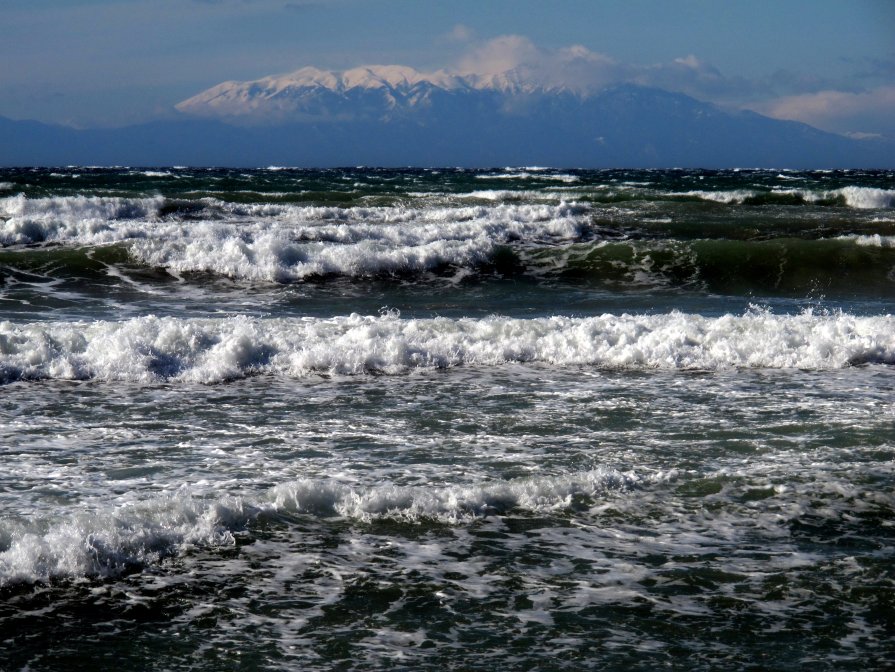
column 514, row 419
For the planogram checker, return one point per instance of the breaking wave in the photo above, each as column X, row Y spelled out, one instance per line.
column 852, row 196
column 111, row 541
column 271, row 242
column 153, row 349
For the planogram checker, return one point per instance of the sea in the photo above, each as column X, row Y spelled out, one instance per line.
column 447, row 419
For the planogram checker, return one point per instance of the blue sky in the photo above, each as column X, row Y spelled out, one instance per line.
column 114, row 62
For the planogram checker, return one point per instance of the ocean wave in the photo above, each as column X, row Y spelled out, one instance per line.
column 450, row 504
column 76, row 219
column 863, row 198
column 867, row 197
column 527, row 175
column 111, row 541
column 106, row 539
column 504, row 195
column 272, row 258
column 152, row 349
column 551, row 251
column 736, row 196
column 875, row 240
column 153, row 173
column 286, row 242
column 311, row 242
column 276, row 242
column 790, row 265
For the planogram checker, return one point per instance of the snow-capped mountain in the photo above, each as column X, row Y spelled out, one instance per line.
column 311, row 93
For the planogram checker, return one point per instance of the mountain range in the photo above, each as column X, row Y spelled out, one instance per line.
column 398, row 116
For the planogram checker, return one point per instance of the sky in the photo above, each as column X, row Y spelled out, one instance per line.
column 91, row 63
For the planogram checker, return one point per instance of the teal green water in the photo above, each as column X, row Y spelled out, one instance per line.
column 521, row 419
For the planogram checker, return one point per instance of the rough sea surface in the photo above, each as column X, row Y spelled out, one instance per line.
column 510, row 419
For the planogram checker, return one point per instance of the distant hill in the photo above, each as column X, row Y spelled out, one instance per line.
column 396, row 116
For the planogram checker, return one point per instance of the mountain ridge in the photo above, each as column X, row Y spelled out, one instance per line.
column 311, row 93
column 395, row 119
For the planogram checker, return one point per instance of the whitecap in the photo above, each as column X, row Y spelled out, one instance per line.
column 152, row 349
column 110, row 540
column 867, row 197
column 875, row 240
column 735, row 197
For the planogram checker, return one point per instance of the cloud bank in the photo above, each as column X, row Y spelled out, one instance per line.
column 580, row 69
column 837, row 109
column 846, row 109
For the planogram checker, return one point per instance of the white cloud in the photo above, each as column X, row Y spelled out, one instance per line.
column 579, row 68
column 574, row 67
column 864, row 113
column 811, row 100
column 499, row 55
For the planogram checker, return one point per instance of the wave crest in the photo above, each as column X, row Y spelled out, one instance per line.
column 863, row 198
column 152, row 349
column 113, row 541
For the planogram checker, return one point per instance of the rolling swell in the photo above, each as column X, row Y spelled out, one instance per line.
column 790, row 266
column 61, row 262
column 841, row 266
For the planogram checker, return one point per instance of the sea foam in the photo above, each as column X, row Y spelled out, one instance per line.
column 73, row 219
column 110, row 541
column 152, row 349
column 867, row 197
column 276, row 243
column 113, row 539
column 875, row 240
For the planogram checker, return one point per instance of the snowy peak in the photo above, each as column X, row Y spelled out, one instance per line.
column 311, row 92
column 305, row 77
column 363, row 77
column 395, row 77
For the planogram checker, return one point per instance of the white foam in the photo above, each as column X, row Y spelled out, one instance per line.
column 276, row 242
column 76, row 219
column 514, row 195
column 863, row 198
column 154, row 173
column 736, row 196
column 151, row 349
column 108, row 540
column 875, row 240
column 854, row 197
column 526, row 175
column 298, row 242
column 6, row 186
column 104, row 538
column 449, row 503
column 274, row 258
column 867, row 197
